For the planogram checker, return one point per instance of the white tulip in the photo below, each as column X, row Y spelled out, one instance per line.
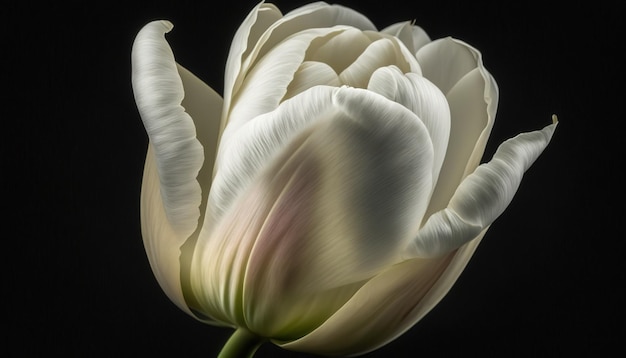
column 334, row 194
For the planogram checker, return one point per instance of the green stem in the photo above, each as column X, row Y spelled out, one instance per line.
column 241, row 344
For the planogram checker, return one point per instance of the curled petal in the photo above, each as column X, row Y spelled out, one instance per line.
column 172, row 103
column 482, row 196
column 179, row 155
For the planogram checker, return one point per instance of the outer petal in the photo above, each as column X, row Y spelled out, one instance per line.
column 172, row 103
column 457, row 69
column 399, row 297
column 160, row 240
column 482, row 196
column 335, row 205
column 385, row 307
column 179, row 155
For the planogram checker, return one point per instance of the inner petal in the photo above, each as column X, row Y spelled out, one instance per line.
column 339, row 50
column 311, row 73
column 380, row 53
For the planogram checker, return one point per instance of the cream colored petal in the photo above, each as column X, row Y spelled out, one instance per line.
column 340, row 49
column 251, row 29
column 405, row 59
column 310, row 74
column 384, row 308
column 345, row 172
column 403, row 31
column 473, row 100
column 161, row 241
column 350, row 189
column 176, row 107
column 482, row 196
column 420, row 38
column 311, row 16
column 204, row 105
column 159, row 91
column 380, row 53
column 266, row 85
column 445, row 61
column 422, row 98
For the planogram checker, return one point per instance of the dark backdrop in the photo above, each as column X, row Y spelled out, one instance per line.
column 547, row 279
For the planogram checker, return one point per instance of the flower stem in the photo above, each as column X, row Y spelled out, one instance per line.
column 241, row 344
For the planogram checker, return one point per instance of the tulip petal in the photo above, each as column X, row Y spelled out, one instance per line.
column 445, row 61
column 310, row 74
column 392, row 301
column 422, row 98
column 316, row 15
column 413, row 37
column 343, row 173
column 350, row 190
column 266, row 84
column 403, row 294
column 472, row 94
column 253, row 26
column 179, row 155
column 482, row 196
column 349, row 43
column 403, row 31
column 161, row 241
column 171, row 119
column 378, row 54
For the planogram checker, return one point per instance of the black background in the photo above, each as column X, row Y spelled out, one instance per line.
column 547, row 280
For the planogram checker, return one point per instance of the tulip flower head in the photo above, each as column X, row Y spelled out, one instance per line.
column 334, row 193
